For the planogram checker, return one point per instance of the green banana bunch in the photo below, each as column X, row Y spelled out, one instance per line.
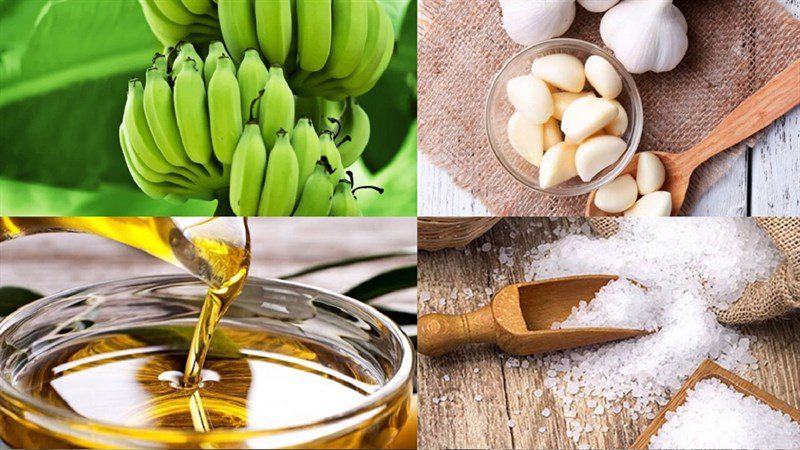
column 317, row 192
column 332, row 48
column 182, row 135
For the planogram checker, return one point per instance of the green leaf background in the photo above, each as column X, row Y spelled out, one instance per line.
column 64, row 65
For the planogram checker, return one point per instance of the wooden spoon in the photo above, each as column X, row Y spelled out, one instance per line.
column 773, row 100
column 519, row 319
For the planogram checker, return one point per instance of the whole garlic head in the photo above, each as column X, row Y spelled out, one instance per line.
column 597, row 5
column 530, row 21
column 646, row 34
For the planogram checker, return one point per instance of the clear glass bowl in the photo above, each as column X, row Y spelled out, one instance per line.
column 347, row 327
column 499, row 109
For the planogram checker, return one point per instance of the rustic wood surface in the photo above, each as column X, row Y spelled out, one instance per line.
column 49, row 263
column 761, row 182
column 506, row 393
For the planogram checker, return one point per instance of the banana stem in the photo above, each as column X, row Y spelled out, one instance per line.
column 223, row 203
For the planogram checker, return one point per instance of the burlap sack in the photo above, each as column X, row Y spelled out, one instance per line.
column 735, row 46
column 761, row 300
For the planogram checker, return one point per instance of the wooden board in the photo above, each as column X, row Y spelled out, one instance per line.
column 462, row 422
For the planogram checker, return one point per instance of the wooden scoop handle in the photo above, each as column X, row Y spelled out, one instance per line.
column 773, row 100
column 441, row 333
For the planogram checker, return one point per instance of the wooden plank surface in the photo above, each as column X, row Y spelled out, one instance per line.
column 506, row 393
column 49, row 263
column 762, row 181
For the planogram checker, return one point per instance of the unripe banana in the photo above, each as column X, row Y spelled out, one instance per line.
column 349, row 37
column 169, row 32
column 224, row 108
column 274, row 28
column 380, row 36
column 328, row 113
column 328, row 149
column 343, row 203
column 192, row 115
column 200, row 7
column 238, row 26
column 138, row 132
column 277, row 107
column 175, row 11
column 186, row 51
column 153, row 190
column 160, row 61
column 215, row 50
column 314, row 23
column 252, row 76
column 354, row 133
column 386, row 58
column 248, row 170
column 317, row 192
column 280, row 182
column 161, row 121
column 306, row 146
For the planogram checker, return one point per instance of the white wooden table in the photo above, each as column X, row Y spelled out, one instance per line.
column 762, row 182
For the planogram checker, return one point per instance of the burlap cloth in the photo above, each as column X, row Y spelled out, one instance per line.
column 761, row 300
column 735, row 47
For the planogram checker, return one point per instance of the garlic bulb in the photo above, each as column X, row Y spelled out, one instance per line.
column 646, row 34
column 597, row 5
column 530, row 21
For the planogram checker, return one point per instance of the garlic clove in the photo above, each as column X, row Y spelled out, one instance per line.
column 561, row 70
column 597, row 5
column 558, row 165
column 650, row 173
column 562, row 100
column 529, row 22
column 657, row 203
column 552, row 133
column 603, row 77
column 530, row 96
column 616, row 196
column 597, row 153
column 585, row 116
column 618, row 126
column 645, row 34
column 526, row 137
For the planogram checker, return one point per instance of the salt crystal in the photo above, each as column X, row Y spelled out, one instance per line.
column 538, row 393
column 486, row 247
column 511, row 423
column 546, row 412
column 717, row 416
column 542, row 429
column 446, row 378
column 478, row 398
column 424, row 296
column 599, row 410
column 476, row 370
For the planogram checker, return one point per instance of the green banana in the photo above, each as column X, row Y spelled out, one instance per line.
column 186, row 51
column 248, row 170
column 160, row 115
column 280, row 182
column 200, row 7
column 274, row 29
column 349, row 37
column 314, row 23
column 306, row 146
column 224, row 110
column 160, row 62
column 169, row 32
column 380, row 34
column 328, row 149
column 252, row 76
column 277, row 107
column 238, row 26
column 138, row 132
column 175, row 12
column 355, row 132
column 192, row 115
column 152, row 190
column 317, row 192
column 388, row 50
column 215, row 50
column 343, row 202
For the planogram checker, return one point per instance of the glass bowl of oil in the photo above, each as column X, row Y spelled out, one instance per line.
column 289, row 366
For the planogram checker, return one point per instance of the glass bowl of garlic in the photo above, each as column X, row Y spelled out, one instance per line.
column 564, row 117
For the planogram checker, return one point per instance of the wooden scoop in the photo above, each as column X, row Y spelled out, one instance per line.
column 773, row 100
column 519, row 319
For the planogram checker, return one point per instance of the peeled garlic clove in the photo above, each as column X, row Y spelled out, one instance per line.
column 585, row 116
column 529, row 22
column 558, row 165
column 597, row 5
column 597, row 153
column 530, row 96
column 616, row 196
column 562, row 100
column 650, row 173
column 552, row 134
column 603, row 77
column 645, row 34
column 526, row 137
column 561, row 70
column 657, row 203
column 618, row 126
